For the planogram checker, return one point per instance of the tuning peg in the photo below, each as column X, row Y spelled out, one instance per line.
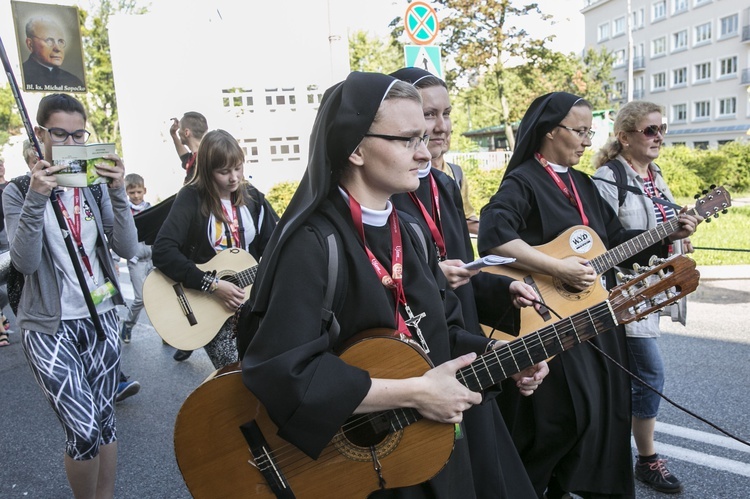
column 670, row 294
column 708, row 219
column 622, row 277
column 713, row 186
column 724, row 211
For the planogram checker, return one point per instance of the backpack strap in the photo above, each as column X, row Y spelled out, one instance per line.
column 623, row 188
column 458, row 173
column 422, row 239
column 328, row 316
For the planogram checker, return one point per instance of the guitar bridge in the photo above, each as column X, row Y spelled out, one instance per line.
column 543, row 311
column 187, row 310
column 265, row 461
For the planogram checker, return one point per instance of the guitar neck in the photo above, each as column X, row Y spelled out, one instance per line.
column 244, row 278
column 619, row 254
column 495, row 366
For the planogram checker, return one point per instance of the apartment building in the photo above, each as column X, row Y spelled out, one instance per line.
column 690, row 56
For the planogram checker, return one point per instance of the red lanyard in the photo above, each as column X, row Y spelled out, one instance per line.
column 234, row 225
column 433, row 222
column 393, row 282
column 574, row 201
column 190, row 163
column 75, row 227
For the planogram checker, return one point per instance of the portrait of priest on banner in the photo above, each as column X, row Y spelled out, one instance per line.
column 49, row 47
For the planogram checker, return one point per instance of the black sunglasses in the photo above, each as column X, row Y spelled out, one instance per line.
column 652, row 130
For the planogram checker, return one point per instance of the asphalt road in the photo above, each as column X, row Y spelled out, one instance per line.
column 706, row 369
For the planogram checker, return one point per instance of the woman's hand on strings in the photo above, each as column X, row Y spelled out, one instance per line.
column 688, row 224
column 231, row 295
column 576, row 271
column 442, row 397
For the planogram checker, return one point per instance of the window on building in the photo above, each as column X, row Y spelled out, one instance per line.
column 679, row 6
column 703, row 33
column 658, row 82
column 702, row 144
column 659, row 10
column 679, row 77
column 240, row 98
column 639, row 83
column 659, row 46
column 679, row 113
column 603, row 32
column 698, row 3
column 728, row 66
column 727, row 107
column 677, row 144
column 618, row 26
column 619, row 90
column 619, row 58
column 702, row 110
column 702, row 72
column 638, row 16
column 724, row 142
column 729, row 26
column 314, row 96
column 679, row 40
column 281, row 98
column 284, row 149
column 250, row 148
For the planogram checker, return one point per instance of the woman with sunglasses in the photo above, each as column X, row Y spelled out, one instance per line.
column 574, row 434
column 638, row 137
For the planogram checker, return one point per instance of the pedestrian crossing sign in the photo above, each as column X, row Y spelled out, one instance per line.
column 425, row 57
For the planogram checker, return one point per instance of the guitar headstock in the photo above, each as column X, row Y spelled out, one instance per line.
column 713, row 202
column 653, row 288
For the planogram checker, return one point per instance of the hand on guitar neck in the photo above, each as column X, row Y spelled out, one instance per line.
column 688, row 223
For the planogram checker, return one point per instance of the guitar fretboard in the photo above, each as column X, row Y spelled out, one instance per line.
column 493, row 367
column 619, row 254
column 244, row 278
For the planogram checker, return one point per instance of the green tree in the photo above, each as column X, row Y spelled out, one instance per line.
column 367, row 53
column 10, row 120
column 482, row 37
column 101, row 101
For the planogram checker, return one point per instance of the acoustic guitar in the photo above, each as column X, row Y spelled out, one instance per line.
column 582, row 241
column 227, row 446
column 188, row 318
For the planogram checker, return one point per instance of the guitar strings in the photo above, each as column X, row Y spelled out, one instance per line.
column 295, row 462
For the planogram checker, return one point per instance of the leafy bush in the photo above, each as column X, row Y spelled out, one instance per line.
column 280, row 195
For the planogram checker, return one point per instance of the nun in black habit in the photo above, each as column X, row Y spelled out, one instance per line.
column 367, row 144
column 573, row 435
column 437, row 204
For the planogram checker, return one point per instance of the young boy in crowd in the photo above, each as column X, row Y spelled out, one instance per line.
column 140, row 265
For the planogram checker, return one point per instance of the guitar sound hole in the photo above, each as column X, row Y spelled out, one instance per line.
column 367, row 431
column 571, row 289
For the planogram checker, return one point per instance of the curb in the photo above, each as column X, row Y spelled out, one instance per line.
column 724, row 272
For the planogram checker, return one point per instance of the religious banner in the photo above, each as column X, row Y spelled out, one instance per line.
column 49, row 47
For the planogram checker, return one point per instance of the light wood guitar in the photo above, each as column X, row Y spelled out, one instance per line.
column 227, row 446
column 188, row 318
column 582, row 241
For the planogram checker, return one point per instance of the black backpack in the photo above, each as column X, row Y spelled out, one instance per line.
column 16, row 279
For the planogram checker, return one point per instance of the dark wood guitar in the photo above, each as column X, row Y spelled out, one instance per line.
column 187, row 318
column 582, row 241
column 226, row 444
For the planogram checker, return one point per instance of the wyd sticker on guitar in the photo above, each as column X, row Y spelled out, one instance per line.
column 583, row 242
column 188, row 318
column 226, row 444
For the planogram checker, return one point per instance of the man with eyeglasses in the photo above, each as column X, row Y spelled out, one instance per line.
column 45, row 40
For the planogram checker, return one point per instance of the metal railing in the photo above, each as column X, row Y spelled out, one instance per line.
column 490, row 160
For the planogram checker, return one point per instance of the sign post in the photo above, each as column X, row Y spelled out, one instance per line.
column 421, row 25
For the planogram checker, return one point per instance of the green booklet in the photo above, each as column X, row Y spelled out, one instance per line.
column 80, row 162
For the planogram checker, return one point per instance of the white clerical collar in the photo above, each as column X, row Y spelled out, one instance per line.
column 558, row 168
column 373, row 218
column 426, row 171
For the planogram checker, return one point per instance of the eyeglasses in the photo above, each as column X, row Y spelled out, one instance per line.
column 50, row 42
column 585, row 132
column 652, row 130
column 411, row 142
column 60, row 135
